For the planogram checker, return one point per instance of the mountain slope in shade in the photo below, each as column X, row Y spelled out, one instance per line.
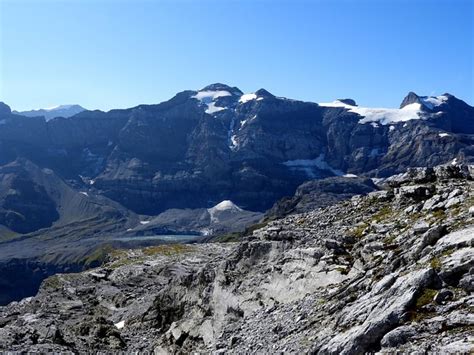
column 32, row 198
column 53, row 112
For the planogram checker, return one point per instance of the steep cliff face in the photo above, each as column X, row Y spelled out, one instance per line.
column 388, row 271
column 203, row 147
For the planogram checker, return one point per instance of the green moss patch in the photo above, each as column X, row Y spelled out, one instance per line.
column 425, row 298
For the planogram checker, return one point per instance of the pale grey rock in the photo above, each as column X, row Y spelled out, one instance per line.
column 333, row 280
column 398, row 336
column 460, row 261
column 463, row 346
column 378, row 320
column 421, row 227
column 453, row 201
column 432, row 202
column 467, row 282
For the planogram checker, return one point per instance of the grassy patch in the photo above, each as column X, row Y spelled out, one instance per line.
column 448, row 252
column 122, row 262
column 390, row 239
column 383, row 214
column 415, row 216
column 52, row 282
column 358, row 231
column 98, row 256
column 435, row 263
column 438, row 216
column 425, row 298
column 167, row 249
column 7, row 235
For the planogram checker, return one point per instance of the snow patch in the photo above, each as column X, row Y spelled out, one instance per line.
column 442, row 135
column 226, row 206
column 308, row 165
column 206, row 231
column 244, row 122
column 84, row 193
column 386, row 116
column 350, row 175
column 231, row 138
column 336, row 103
column 381, row 116
column 144, row 222
column 433, row 101
column 233, row 142
column 120, row 324
column 207, row 97
column 212, row 108
column 247, row 97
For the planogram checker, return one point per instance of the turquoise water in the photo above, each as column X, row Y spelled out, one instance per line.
column 171, row 238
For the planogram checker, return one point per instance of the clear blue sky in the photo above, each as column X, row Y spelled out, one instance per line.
column 115, row 53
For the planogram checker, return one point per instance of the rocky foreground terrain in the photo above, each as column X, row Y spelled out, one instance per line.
column 389, row 271
column 206, row 163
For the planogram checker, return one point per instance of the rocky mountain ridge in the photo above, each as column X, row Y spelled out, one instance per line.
column 219, row 144
column 389, row 271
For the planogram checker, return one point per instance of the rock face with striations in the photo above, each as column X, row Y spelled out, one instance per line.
column 355, row 277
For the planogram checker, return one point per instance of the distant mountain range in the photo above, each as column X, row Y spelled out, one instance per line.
column 198, row 164
column 53, row 112
column 203, row 147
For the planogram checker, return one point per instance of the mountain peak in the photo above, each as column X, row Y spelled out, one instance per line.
column 349, row 102
column 426, row 102
column 222, row 87
column 263, row 93
column 411, row 98
column 226, row 205
column 4, row 109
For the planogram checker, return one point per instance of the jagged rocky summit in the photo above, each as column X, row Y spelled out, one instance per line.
column 389, row 271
